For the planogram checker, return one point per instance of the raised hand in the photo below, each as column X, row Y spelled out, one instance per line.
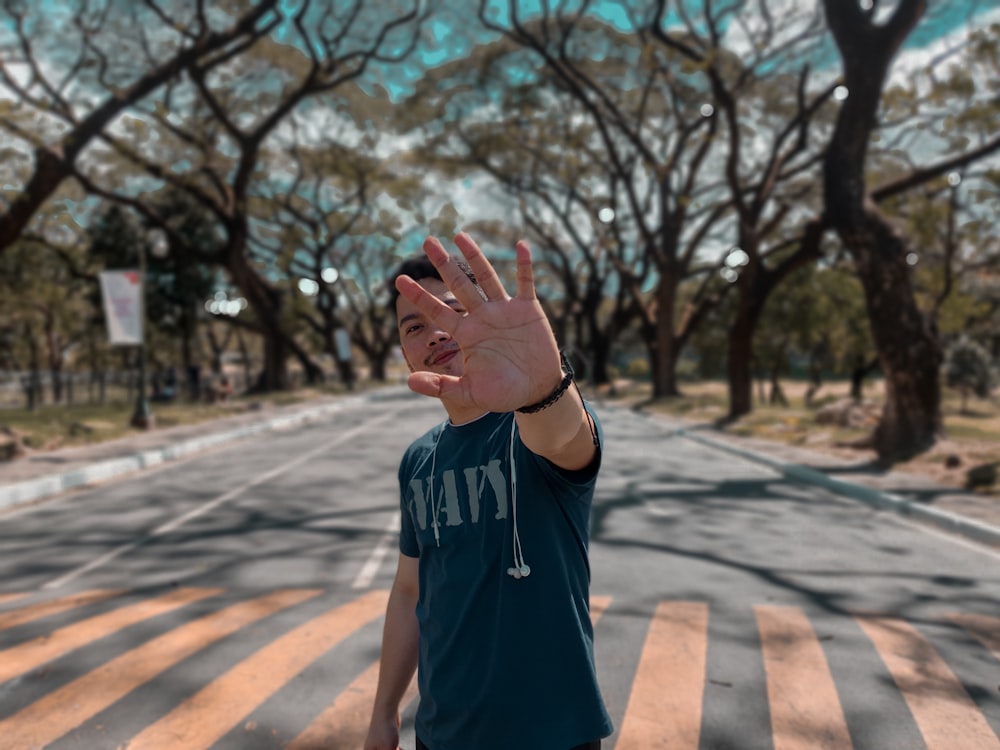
column 509, row 352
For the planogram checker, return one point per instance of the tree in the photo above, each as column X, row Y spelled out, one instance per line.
column 951, row 217
column 771, row 146
column 179, row 283
column 45, row 313
column 224, row 132
column 342, row 216
column 909, row 351
column 653, row 138
column 967, row 367
column 63, row 98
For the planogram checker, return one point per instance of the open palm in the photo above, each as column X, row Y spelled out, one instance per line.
column 510, row 354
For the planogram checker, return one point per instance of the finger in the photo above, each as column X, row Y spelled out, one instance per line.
column 454, row 277
column 438, row 312
column 486, row 275
column 525, row 273
column 432, row 384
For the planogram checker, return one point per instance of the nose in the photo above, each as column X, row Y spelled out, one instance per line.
column 437, row 337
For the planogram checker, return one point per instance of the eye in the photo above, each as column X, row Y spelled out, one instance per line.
column 412, row 329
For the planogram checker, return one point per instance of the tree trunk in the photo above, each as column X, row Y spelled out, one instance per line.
column 345, row 371
column 754, row 290
column 313, row 372
column 664, row 350
column 55, row 357
column 376, row 368
column 274, row 367
column 908, row 347
column 740, row 367
column 600, row 353
column 267, row 305
column 858, row 375
column 777, row 393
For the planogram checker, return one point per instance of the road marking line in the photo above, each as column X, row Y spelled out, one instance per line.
column 345, row 721
column 370, row 569
column 206, row 716
column 62, row 710
column 947, row 717
column 984, row 628
column 598, row 605
column 20, row 659
column 44, row 609
column 665, row 705
column 805, row 707
column 210, row 505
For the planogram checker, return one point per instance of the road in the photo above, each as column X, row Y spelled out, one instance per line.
column 235, row 599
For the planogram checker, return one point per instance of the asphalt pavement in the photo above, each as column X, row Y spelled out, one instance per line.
column 42, row 475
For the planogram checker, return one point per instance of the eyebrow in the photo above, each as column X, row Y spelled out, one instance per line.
column 452, row 302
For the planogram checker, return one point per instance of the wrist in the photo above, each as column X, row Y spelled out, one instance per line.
column 385, row 714
column 557, row 393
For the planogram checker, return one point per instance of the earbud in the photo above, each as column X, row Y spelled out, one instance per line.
column 517, row 573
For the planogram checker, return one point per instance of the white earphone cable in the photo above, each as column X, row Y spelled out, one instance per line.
column 521, row 569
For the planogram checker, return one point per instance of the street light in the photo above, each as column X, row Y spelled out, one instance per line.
column 142, row 417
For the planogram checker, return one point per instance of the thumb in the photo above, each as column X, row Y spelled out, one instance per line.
column 432, row 384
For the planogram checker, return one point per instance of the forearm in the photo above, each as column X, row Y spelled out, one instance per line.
column 561, row 432
column 399, row 654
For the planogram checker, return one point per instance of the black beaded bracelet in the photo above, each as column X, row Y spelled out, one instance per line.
column 546, row 402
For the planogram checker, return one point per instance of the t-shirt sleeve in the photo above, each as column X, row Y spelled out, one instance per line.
column 407, row 532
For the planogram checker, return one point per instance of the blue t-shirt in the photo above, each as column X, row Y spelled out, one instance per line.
column 503, row 662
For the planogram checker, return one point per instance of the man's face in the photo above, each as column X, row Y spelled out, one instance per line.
column 426, row 346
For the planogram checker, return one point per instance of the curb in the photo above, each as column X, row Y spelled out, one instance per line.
column 102, row 471
column 944, row 520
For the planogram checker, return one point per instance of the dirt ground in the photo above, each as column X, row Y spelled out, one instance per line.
column 971, row 440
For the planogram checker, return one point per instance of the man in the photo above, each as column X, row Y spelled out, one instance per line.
column 505, row 648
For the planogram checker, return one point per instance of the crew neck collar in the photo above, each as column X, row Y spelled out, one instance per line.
column 466, row 423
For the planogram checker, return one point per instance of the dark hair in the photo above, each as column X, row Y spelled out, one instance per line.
column 419, row 267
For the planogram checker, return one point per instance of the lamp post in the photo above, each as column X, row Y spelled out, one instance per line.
column 142, row 417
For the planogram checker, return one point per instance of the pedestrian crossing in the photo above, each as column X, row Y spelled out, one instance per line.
column 71, row 666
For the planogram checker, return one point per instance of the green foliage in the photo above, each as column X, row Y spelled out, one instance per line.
column 968, row 368
column 817, row 313
column 180, row 282
column 45, row 312
column 638, row 368
column 708, row 345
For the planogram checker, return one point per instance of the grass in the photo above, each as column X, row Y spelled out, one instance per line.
column 57, row 426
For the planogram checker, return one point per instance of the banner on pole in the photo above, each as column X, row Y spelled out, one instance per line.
column 122, row 295
column 343, row 342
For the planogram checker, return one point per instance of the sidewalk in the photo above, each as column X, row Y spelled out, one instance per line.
column 45, row 474
column 972, row 515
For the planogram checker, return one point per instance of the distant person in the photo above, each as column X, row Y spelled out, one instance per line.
column 491, row 595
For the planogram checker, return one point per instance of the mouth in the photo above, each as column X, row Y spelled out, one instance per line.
column 444, row 357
